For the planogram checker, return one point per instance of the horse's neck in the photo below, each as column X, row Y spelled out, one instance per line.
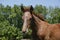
column 34, row 30
column 36, row 24
column 39, row 22
column 39, row 26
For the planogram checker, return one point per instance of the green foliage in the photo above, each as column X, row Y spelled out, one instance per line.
column 41, row 10
column 54, row 15
column 8, row 32
column 10, row 21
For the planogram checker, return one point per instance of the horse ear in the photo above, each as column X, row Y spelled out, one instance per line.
column 22, row 9
column 31, row 8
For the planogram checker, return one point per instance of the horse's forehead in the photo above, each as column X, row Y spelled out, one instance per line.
column 27, row 13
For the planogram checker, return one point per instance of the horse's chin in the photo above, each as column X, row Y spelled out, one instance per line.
column 27, row 30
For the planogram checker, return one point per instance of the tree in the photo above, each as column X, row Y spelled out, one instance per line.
column 41, row 9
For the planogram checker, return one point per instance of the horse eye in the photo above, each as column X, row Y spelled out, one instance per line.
column 30, row 18
column 22, row 17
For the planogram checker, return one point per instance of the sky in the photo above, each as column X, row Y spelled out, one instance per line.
column 47, row 3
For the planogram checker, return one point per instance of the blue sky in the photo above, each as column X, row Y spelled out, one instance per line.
column 47, row 3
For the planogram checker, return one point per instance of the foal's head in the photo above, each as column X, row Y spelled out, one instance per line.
column 27, row 16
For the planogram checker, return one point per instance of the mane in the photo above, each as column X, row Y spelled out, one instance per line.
column 39, row 16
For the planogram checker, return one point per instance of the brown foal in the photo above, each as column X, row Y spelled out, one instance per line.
column 41, row 30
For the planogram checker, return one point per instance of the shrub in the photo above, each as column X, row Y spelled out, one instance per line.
column 8, row 32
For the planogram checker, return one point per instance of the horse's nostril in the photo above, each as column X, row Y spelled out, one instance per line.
column 23, row 32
